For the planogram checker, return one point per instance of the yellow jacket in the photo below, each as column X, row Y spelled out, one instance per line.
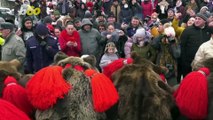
column 178, row 29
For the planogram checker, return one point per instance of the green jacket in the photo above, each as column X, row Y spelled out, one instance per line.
column 146, row 51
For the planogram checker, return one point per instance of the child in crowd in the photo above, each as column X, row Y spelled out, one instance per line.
column 109, row 55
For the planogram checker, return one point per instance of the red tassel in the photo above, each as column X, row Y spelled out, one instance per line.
column 115, row 65
column 192, row 95
column 46, row 86
column 104, row 93
column 9, row 112
column 17, row 95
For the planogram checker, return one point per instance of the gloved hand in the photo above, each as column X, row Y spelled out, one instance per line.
column 43, row 43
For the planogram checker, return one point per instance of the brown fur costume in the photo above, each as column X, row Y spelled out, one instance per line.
column 77, row 105
column 209, row 64
column 8, row 69
column 143, row 96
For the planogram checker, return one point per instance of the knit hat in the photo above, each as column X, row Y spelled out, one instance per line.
column 87, row 14
column 139, row 33
column 41, row 29
column 6, row 25
column 47, row 19
column 203, row 16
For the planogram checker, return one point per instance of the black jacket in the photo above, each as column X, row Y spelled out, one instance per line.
column 191, row 38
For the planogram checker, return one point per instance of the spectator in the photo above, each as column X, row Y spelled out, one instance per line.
column 204, row 52
column 109, row 55
column 125, row 14
column 77, row 23
column 134, row 25
column 63, row 7
column 112, row 20
column 81, row 11
column 14, row 48
column 91, row 40
column 142, row 47
column 147, row 8
column 70, row 41
column 111, row 34
column 41, row 49
column 26, row 30
column 57, row 31
column 136, row 8
column 115, row 9
column 191, row 38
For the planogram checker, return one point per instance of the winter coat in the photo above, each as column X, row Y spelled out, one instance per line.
column 114, row 38
column 136, row 10
column 120, row 45
column 146, row 51
column 107, row 59
column 72, row 50
column 40, row 53
column 91, row 41
column 204, row 52
column 128, row 47
column 125, row 15
column 147, row 9
column 191, row 39
column 63, row 5
column 13, row 48
column 167, row 54
column 116, row 10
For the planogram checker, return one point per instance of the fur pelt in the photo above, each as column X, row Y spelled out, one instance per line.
column 143, row 96
column 59, row 56
column 91, row 60
column 77, row 105
column 7, row 69
column 74, row 61
column 137, row 59
column 210, row 94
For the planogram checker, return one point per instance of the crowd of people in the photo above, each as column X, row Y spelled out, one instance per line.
column 174, row 37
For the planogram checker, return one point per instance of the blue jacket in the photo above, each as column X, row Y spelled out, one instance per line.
column 40, row 54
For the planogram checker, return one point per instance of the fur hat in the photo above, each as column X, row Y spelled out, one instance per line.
column 41, row 29
column 110, row 45
column 203, row 16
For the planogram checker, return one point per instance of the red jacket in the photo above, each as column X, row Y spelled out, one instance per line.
column 147, row 9
column 64, row 38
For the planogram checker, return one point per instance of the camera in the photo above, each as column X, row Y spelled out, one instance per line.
column 170, row 39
